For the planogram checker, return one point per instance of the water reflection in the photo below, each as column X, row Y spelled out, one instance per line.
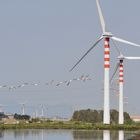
column 102, row 135
column 106, row 135
column 1, row 133
column 87, row 135
column 44, row 134
column 21, row 134
column 121, row 135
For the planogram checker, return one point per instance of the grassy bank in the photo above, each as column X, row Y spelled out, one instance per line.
column 69, row 125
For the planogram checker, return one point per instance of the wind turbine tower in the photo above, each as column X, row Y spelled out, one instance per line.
column 23, row 108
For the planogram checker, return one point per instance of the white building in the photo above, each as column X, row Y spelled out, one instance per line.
column 135, row 118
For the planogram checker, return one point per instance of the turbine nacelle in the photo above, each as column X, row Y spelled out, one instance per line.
column 121, row 57
column 107, row 34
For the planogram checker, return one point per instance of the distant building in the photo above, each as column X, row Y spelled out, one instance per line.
column 10, row 116
column 57, row 118
column 135, row 118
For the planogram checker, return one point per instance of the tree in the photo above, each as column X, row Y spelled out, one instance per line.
column 21, row 117
column 96, row 116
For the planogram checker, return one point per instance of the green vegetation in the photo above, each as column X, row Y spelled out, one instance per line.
column 96, row 116
column 69, row 125
column 2, row 115
column 21, row 117
column 83, row 119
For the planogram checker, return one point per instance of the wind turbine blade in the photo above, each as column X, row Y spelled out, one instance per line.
column 87, row 52
column 115, row 70
column 101, row 16
column 132, row 58
column 124, row 41
column 118, row 50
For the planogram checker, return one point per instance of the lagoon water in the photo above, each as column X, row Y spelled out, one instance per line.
column 43, row 134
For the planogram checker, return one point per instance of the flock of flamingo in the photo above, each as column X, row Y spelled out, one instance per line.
column 83, row 78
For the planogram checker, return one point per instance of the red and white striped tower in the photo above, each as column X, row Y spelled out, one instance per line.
column 121, row 82
column 106, row 116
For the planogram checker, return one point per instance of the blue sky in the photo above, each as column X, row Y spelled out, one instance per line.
column 41, row 40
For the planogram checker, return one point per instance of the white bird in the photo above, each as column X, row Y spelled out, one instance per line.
column 11, row 87
column 59, row 83
column 35, row 84
column 86, row 78
column 69, row 82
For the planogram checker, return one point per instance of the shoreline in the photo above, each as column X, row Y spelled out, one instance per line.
column 69, row 125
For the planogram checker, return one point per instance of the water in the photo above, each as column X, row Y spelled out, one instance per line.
column 38, row 134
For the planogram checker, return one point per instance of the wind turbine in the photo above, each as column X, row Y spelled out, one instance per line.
column 106, row 36
column 36, row 113
column 23, row 107
column 120, row 66
column 1, row 108
column 43, row 108
column 42, row 111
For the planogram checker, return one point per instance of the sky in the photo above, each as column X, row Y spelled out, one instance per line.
column 40, row 40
